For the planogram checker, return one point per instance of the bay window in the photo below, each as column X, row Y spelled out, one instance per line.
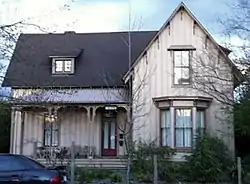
column 178, row 129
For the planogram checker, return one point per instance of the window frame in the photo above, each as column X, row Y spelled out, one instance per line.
column 190, row 54
column 204, row 126
column 13, row 160
column 52, row 131
column 63, row 59
column 183, row 128
column 193, row 128
column 162, row 113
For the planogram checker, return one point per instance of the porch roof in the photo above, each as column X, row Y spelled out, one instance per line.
column 76, row 96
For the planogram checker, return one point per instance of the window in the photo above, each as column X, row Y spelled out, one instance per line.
column 181, row 67
column 183, row 128
column 166, row 128
column 200, row 121
column 177, row 130
column 51, row 133
column 30, row 163
column 62, row 66
column 10, row 163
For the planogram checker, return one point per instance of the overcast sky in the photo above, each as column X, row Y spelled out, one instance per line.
column 110, row 15
column 107, row 15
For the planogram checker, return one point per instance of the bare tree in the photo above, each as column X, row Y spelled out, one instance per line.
column 133, row 92
column 217, row 71
column 9, row 35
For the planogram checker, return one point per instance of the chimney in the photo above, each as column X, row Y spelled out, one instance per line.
column 69, row 32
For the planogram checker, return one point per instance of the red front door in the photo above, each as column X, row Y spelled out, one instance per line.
column 109, row 137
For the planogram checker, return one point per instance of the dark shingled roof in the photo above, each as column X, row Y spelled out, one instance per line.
column 102, row 58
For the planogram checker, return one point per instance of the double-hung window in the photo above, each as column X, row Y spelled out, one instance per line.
column 181, row 67
column 200, row 121
column 166, row 128
column 183, row 128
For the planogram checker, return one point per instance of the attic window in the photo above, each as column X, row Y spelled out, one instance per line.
column 63, row 65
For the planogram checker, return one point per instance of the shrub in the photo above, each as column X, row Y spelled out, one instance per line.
column 209, row 161
column 142, row 164
column 87, row 175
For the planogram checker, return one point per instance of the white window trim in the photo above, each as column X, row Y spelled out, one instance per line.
column 62, row 59
column 190, row 53
column 172, row 124
column 51, row 131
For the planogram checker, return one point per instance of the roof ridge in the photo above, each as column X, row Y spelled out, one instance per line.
column 86, row 33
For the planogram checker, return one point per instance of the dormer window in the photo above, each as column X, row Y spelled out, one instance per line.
column 63, row 65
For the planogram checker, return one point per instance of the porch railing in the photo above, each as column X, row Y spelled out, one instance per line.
column 55, row 154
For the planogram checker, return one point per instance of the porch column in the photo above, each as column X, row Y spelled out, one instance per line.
column 17, row 130
column 88, row 127
column 12, row 130
column 91, row 112
column 92, row 127
column 22, row 132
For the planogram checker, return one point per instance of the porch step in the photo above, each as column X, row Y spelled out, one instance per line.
column 99, row 163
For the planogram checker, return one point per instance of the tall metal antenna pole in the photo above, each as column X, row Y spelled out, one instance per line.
column 129, row 94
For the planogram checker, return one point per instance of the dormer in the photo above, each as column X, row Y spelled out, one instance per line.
column 63, row 63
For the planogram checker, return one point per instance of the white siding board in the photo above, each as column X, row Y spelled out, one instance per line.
column 181, row 33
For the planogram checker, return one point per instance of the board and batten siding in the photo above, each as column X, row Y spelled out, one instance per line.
column 74, row 125
column 153, row 77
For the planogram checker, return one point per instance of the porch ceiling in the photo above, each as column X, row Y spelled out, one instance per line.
column 76, row 96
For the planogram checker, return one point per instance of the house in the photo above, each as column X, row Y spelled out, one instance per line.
column 79, row 87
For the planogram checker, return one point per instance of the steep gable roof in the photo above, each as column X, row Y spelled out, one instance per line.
column 182, row 5
column 102, row 58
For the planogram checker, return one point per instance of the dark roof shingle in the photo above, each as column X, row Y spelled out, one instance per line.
column 102, row 62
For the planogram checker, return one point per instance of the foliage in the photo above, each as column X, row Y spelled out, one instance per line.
column 5, row 121
column 242, row 115
column 246, row 169
column 241, row 122
column 87, row 175
column 142, row 165
column 209, row 161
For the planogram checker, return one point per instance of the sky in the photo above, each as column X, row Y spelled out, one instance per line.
column 107, row 15
column 110, row 15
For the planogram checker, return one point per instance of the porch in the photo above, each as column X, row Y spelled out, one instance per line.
column 112, row 163
column 97, row 131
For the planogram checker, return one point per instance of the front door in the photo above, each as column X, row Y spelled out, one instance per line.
column 109, row 137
